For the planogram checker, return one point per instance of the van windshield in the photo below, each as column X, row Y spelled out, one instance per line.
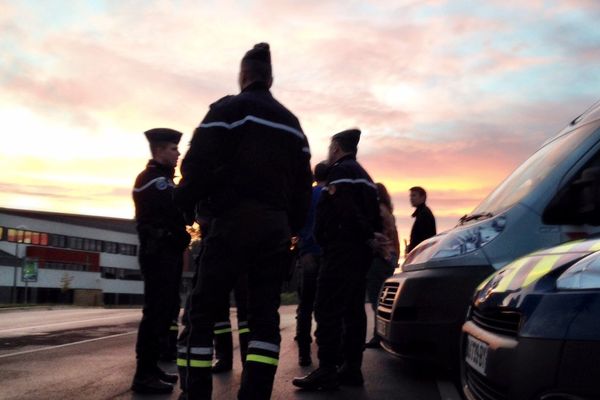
column 525, row 178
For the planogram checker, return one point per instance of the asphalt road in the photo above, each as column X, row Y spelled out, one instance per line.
column 89, row 354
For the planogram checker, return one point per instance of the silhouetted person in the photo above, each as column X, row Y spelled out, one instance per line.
column 385, row 261
column 310, row 264
column 347, row 229
column 163, row 239
column 249, row 163
column 424, row 226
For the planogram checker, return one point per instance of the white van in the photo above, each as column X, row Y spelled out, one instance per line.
column 553, row 197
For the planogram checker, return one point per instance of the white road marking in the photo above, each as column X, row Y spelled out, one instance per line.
column 447, row 390
column 65, row 345
column 64, row 323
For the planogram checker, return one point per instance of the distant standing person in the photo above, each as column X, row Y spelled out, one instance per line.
column 310, row 264
column 163, row 239
column 386, row 260
column 424, row 226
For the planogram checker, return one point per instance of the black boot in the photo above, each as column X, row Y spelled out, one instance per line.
column 322, row 378
column 350, row 375
column 167, row 377
column 374, row 343
column 150, row 383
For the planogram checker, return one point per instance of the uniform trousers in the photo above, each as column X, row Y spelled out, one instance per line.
column 340, row 304
column 161, row 271
column 307, row 290
column 248, row 239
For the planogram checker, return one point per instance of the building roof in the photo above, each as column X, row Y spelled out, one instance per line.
column 90, row 221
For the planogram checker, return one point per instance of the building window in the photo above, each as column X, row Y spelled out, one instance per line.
column 20, row 236
column 35, row 238
column 120, row 273
column 2, row 233
column 12, row 235
column 65, row 266
column 58, row 241
column 127, row 249
column 44, row 239
column 110, row 247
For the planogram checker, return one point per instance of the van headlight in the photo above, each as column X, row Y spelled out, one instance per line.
column 470, row 239
column 584, row 274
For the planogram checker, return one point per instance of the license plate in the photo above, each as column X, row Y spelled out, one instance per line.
column 477, row 354
column 382, row 328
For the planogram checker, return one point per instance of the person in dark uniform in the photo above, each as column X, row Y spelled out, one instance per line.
column 348, row 229
column 310, row 263
column 163, row 239
column 424, row 226
column 249, row 162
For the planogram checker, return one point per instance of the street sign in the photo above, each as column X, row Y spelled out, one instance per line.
column 30, row 270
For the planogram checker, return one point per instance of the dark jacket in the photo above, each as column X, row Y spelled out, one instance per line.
column 423, row 227
column 248, row 148
column 157, row 217
column 308, row 243
column 348, row 211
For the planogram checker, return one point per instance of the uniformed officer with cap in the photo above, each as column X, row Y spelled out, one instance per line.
column 249, row 162
column 163, row 239
column 347, row 228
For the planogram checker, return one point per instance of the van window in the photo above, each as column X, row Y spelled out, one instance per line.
column 525, row 178
column 577, row 202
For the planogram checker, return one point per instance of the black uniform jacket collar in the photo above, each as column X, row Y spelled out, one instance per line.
column 164, row 169
column 344, row 158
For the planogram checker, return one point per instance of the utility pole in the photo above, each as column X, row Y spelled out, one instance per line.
column 14, row 288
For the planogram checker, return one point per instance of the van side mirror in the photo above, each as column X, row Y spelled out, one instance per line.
column 578, row 203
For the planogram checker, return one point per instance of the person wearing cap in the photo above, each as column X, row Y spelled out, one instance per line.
column 309, row 254
column 249, row 164
column 348, row 227
column 163, row 239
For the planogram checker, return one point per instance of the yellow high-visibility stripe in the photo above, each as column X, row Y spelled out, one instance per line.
column 543, row 266
column 262, row 359
column 595, row 246
column 182, row 362
column 221, row 331
column 485, row 282
column 565, row 248
column 509, row 275
column 244, row 330
column 174, row 328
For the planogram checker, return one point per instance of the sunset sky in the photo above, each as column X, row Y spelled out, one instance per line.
column 450, row 95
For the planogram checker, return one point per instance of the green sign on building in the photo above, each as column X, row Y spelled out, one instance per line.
column 30, row 270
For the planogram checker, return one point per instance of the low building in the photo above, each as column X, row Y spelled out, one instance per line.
column 81, row 259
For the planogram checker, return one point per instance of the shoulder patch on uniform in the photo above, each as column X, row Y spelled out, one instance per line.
column 162, row 184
